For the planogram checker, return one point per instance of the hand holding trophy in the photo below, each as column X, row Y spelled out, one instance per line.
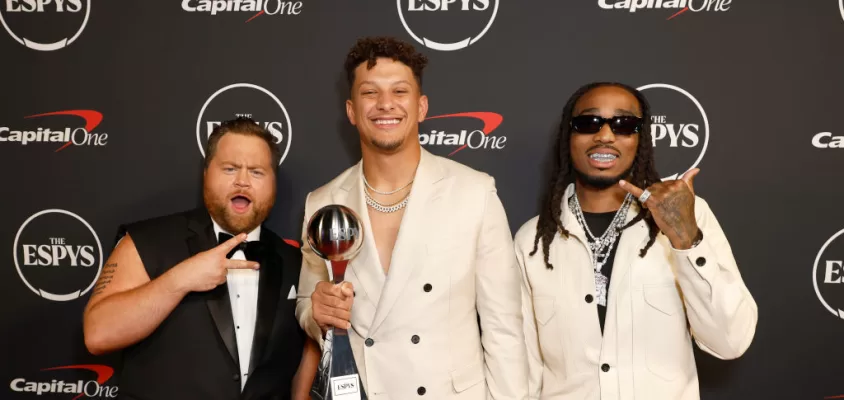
column 335, row 234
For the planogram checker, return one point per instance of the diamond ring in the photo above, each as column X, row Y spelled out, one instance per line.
column 645, row 196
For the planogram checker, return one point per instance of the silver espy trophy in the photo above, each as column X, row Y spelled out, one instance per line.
column 335, row 234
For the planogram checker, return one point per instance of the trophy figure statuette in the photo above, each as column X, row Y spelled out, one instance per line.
column 335, row 234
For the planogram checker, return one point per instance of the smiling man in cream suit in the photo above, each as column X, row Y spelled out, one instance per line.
column 620, row 280
column 437, row 256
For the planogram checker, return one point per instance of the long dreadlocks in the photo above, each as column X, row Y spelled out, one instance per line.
column 643, row 174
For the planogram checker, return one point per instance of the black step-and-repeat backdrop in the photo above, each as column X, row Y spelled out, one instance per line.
column 107, row 105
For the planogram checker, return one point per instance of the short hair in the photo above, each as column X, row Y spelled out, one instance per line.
column 241, row 126
column 369, row 49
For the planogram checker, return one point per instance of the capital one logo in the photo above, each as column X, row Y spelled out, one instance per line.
column 248, row 100
column 39, row 24
column 678, row 6
column 679, row 129
column 447, row 25
column 58, row 255
column 56, row 130
column 828, row 275
column 68, row 381
column 255, row 7
column 826, row 140
column 461, row 131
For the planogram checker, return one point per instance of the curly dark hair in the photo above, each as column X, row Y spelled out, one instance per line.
column 370, row 48
column 643, row 174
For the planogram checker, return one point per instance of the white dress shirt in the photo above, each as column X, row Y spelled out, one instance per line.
column 243, row 293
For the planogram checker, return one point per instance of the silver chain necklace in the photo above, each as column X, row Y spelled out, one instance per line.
column 385, row 208
column 601, row 246
column 385, row 193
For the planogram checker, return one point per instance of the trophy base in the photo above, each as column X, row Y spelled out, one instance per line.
column 337, row 376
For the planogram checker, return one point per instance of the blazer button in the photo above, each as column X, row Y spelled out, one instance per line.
column 700, row 261
column 605, row 368
column 427, row 287
column 369, row 342
column 236, row 377
column 414, row 339
column 421, row 391
column 589, row 298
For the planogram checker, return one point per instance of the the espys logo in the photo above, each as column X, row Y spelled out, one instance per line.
column 31, row 17
column 677, row 123
column 447, row 25
column 828, row 275
column 65, row 135
column 679, row 6
column 68, row 381
column 248, row 100
column 58, row 255
column 460, row 131
column 826, row 140
column 258, row 7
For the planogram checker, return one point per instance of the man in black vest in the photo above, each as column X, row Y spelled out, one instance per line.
column 202, row 302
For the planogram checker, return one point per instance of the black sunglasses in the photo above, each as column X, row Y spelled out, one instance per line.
column 620, row 125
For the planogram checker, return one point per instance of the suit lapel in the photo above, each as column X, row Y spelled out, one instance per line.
column 411, row 248
column 366, row 265
column 219, row 305
column 269, row 291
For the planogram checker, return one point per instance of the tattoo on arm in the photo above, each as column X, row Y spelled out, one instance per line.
column 105, row 278
column 672, row 213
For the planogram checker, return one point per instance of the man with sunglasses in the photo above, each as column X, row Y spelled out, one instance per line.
column 618, row 280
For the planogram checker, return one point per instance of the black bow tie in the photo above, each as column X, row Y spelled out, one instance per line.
column 252, row 250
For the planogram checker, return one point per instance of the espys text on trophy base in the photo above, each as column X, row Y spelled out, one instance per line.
column 335, row 234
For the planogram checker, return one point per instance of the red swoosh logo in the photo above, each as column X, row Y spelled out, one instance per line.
column 104, row 372
column 294, row 243
column 254, row 16
column 92, row 120
column 678, row 13
column 491, row 121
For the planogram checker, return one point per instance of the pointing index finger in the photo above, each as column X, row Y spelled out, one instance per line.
column 241, row 264
column 630, row 188
column 230, row 244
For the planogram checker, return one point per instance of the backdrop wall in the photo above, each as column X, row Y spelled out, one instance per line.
column 106, row 107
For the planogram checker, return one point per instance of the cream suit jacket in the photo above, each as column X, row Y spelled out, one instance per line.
column 656, row 306
column 453, row 261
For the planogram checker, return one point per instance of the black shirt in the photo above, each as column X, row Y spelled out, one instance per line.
column 598, row 224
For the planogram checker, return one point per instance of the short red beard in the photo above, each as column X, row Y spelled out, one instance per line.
column 235, row 223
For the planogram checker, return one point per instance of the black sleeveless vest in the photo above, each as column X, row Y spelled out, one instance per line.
column 193, row 353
